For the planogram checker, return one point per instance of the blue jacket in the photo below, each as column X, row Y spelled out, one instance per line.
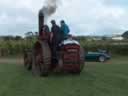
column 65, row 29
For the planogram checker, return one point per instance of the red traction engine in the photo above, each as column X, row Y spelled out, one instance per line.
column 39, row 58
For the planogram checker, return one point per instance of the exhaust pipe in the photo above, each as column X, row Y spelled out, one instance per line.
column 41, row 20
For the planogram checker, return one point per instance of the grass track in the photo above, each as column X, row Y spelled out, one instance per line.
column 109, row 79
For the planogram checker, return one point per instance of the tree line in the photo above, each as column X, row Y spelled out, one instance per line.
column 16, row 45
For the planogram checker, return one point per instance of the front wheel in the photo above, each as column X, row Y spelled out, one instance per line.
column 38, row 66
column 41, row 59
column 28, row 60
column 36, row 69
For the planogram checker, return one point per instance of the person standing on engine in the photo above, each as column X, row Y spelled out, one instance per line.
column 65, row 29
column 56, row 40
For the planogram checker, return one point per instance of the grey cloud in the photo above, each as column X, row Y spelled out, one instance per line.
column 17, row 29
column 84, row 16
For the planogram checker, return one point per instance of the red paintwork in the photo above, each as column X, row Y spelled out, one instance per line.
column 71, row 67
column 71, row 58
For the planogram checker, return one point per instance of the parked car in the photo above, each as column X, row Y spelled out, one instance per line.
column 99, row 56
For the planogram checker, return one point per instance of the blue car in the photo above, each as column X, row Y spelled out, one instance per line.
column 100, row 56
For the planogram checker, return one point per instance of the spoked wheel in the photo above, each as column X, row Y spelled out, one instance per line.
column 28, row 60
column 41, row 59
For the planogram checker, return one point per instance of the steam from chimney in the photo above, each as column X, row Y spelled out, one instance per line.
column 49, row 8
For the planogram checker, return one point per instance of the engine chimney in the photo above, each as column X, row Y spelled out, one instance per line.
column 41, row 20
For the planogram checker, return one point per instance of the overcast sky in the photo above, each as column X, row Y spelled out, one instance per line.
column 85, row 17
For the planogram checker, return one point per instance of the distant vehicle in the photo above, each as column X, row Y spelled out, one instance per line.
column 99, row 56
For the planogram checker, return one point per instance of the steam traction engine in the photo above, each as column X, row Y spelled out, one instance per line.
column 71, row 55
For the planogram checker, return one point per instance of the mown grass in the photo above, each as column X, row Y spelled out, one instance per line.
column 97, row 79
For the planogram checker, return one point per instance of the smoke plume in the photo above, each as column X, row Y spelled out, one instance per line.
column 49, row 8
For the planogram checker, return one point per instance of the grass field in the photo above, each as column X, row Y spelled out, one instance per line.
column 97, row 79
